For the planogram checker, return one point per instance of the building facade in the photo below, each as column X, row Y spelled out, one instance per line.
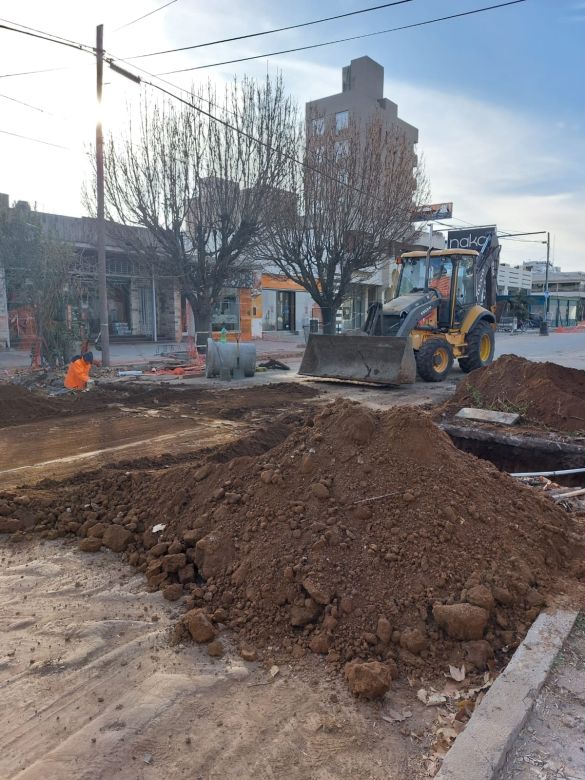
column 361, row 98
column 362, row 101
column 513, row 279
column 143, row 303
column 566, row 295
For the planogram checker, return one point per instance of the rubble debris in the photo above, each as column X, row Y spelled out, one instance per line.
column 274, row 365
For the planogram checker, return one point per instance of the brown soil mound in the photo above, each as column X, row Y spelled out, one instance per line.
column 356, row 537
column 19, row 406
column 543, row 393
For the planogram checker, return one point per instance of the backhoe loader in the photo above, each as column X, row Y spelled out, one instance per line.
column 443, row 309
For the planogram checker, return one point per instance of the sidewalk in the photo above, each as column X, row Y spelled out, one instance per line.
column 551, row 745
column 145, row 352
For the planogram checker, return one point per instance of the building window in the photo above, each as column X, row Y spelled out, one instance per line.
column 341, row 121
column 341, row 149
column 226, row 313
column 318, row 125
column 118, row 265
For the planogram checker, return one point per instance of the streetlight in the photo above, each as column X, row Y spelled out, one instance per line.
column 544, row 323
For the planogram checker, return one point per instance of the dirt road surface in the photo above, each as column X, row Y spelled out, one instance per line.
column 55, row 450
column 89, row 683
column 91, row 688
column 124, row 422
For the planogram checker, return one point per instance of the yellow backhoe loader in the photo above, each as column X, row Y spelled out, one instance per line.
column 443, row 309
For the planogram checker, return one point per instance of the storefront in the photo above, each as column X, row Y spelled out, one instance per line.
column 355, row 307
column 233, row 313
column 564, row 309
column 286, row 306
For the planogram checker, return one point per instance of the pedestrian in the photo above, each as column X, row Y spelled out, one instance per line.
column 77, row 376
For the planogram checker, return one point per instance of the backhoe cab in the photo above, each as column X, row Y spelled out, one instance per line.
column 443, row 309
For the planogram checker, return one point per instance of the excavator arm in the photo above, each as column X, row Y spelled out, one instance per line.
column 486, row 273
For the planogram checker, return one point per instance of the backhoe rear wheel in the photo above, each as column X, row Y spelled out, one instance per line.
column 434, row 360
column 480, row 347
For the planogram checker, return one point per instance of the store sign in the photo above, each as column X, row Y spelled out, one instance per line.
column 433, row 211
column 470, row 238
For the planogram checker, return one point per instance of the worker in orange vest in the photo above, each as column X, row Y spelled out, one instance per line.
column 441, row 282
column 77, row 375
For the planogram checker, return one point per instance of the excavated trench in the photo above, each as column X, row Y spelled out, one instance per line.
column 521, row 453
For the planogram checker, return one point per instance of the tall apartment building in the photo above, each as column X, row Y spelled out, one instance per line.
column 361, row 98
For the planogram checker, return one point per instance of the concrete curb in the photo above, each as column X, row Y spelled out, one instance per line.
column 480, row 750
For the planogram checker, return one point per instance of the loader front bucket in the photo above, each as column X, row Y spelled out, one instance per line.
column 383, row 360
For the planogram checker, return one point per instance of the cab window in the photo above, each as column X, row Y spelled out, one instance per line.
column 440, row 275
column 465, row 292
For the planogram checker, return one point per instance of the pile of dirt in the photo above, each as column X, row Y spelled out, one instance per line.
column 363, row 535
column 19, row 406
column 544, row 394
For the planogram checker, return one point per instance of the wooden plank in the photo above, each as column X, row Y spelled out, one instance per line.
column 487, row 415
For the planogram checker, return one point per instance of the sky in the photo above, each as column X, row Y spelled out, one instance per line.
column 498, row 97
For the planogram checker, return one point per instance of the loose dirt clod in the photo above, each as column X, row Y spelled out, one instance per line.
column 461, row 621
column 542, row 393
column 370, row 680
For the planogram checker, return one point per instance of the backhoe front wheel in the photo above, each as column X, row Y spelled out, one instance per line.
column 480, row 347
column 434, row 360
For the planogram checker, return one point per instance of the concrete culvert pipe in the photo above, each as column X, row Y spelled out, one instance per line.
column 230, row 359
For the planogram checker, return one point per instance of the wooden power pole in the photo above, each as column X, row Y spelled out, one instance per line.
column 100, row 222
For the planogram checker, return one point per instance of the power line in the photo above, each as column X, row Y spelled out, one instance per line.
column 28, row 105
column 43, row 32
column 345, row 40
column 140, row 18
column 48, row 37
column 502, row 234
column 250, row 137
column 210, row 103
column 36, row 140
column 32, row 72
column 270, row 32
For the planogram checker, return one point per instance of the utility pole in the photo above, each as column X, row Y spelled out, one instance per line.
column 546, row 272
column 544, row 323
column 100, row 222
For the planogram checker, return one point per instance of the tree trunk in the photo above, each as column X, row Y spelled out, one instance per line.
column 329, row 312
column 201, row 313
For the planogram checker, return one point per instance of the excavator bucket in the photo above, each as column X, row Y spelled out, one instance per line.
column 382, row 360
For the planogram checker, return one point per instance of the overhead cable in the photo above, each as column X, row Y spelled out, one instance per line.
column 344, row 40
column 28, row 105
column 30, row 31
column 36, row 140
column 270, row 32
column 140, row 18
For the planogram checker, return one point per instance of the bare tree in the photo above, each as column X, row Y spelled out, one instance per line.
column 202, row 184
column 356, row 191
column 38, row 275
